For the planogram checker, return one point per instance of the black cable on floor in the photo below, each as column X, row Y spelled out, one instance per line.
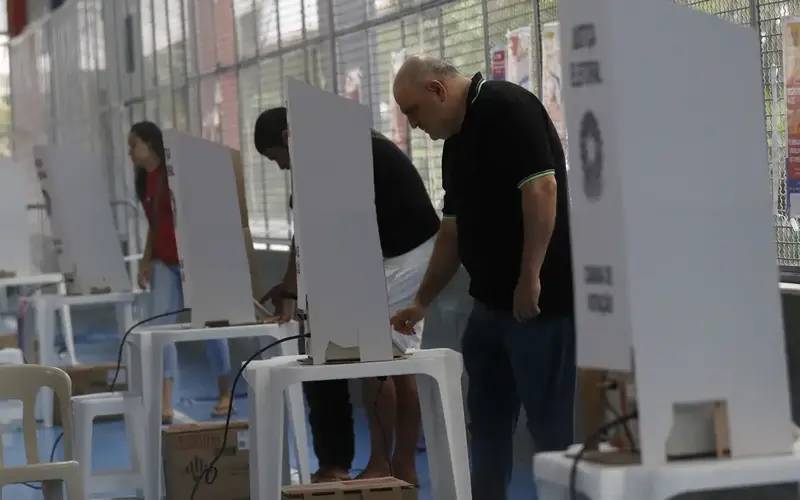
column 52, row 456
column 125, row 337
column 210, row 473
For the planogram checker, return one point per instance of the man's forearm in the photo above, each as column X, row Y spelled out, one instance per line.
column 443, row 265
column 539, row 217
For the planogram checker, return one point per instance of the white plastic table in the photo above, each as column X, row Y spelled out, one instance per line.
column 145, row 378
column 44, row 309
column 634, row 482
column 438, row 378
column 790, row 288
column 43, row 280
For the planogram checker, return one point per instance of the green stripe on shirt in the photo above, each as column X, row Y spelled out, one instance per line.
column 533, row 177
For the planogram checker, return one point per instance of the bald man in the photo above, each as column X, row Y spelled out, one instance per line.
column 506, row 220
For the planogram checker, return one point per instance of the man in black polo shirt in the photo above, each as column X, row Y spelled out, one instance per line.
column 407, row 223
column 506, row 219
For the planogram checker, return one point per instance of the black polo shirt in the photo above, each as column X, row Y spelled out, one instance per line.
column 406, row 217
column 405, row 214
column 507, row 139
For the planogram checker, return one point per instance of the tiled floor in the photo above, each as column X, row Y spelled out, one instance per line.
column 96, row 341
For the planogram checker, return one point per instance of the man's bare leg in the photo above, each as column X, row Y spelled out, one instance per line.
column 404, row 461
column 167, row 412
column 380, row 402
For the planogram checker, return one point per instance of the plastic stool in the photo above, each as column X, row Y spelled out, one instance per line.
column 10, row 410
column 438, row 378
column 85, row 409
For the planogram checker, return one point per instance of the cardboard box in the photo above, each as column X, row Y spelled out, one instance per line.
column 92, row 379
column 386, row 488
column 189, row 448
column 9, row 341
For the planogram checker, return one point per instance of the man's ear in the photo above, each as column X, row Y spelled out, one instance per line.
column 285, row 137
column 436, row 87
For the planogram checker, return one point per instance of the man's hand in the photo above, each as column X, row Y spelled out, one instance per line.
column 274, row 296
column 287, row 311
column 404, row 320
column 526, row 298
column 285, row 307
column 145, row 272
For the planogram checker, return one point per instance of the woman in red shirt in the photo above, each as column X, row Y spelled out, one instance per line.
column 160, row 266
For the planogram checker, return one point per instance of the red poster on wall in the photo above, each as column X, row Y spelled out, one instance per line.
column 791, row 67
column 499, row 64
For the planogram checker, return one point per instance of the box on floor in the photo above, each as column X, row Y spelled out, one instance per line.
column 189, row 449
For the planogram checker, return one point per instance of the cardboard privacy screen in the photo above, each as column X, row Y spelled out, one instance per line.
column 339, row 260
column 672, row 231
column 208, row 226
column 16, row 256
column 75, row 187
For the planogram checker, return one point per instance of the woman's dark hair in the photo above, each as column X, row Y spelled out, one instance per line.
column 150, row 134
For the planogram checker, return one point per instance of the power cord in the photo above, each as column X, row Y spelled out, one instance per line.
column 52, row 457
column 209, row 474
column 125, row 337
column 55, row 446
column 573, row 474
column 612, row 385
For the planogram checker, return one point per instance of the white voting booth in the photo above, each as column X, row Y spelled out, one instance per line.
column 672, row 235
column 75, row 187
column 216, row 276
column 334, row 215
column 343, row 290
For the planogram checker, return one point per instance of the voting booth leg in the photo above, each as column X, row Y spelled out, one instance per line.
column 140, row 370
column 296, row 417
column 266, row 433
column 66, row 324
column 152, row 407
column 44, row 325
column 443, row 419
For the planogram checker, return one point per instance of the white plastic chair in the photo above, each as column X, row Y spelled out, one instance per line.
column 23, row 383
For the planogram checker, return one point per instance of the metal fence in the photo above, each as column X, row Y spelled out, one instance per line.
column 766, row 17
column 210, row 67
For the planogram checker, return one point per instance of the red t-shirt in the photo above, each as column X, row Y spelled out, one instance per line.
column 160, row 217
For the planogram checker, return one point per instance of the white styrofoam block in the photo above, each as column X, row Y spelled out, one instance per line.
column 76, row 189
column 672, row 232
column 211, row 245
column 340, row 264
column 15, row 253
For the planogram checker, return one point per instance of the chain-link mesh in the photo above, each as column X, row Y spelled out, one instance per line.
column 211, row 67
column 767, row 16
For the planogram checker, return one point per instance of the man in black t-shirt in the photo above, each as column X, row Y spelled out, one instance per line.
column 506, row 219
column 407, row 223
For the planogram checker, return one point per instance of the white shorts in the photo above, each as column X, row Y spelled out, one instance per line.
column 404, row 275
